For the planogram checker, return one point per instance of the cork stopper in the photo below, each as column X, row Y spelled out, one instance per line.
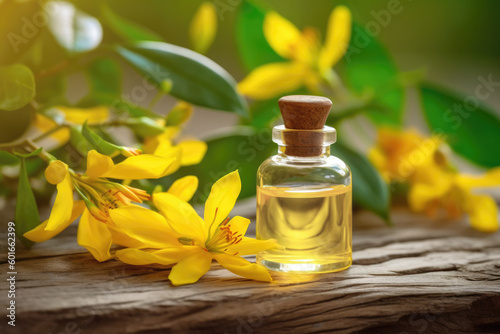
column 304, row 112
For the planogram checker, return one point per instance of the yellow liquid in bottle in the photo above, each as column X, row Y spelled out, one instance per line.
column 312, row 224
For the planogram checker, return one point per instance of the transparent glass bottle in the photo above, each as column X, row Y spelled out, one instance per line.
column 304, row 200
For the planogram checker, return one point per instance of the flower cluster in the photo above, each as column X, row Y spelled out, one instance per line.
column 109, row 215
column 434, row 184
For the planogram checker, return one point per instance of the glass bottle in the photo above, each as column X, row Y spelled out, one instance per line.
column 304, row 193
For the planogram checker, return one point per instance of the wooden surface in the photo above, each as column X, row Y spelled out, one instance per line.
column 419, row 277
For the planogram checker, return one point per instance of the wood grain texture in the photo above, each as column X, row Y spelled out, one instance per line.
column 419, row 277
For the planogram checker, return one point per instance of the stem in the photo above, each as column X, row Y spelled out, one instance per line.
column 28, row 146
column 44, row 155
column 155, row 99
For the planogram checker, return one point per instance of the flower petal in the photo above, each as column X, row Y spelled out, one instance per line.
column 98, row 164
column 181, row 216
column 337, row 38
column 490, row 179
column 184, row 188
column 222, row 198
column 95, row 236
column 283, row 37
column 203, row 27
column 80, row 115
column 191, row 268
column 421, row 194
column 165, row 256
column 239, row 266
column 192, row 152
column 40, row 234
column 63, row 205
column 123, row 239
column 250, row 246
column 239, row 225
column 45, row 124
column 144, row 166
column 270, row 80
column 483, row 213
column 146, row 226
column 166, row 149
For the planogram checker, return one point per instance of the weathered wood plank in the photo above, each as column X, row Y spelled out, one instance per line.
column 420, row 276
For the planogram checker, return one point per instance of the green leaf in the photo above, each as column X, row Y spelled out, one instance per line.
column 78, row 141
column 26, row 216
column 368, row 68
column 17, row 86
column 252, row 44
column 29, row 155
column 473, row 131
column 104, row 77
column 99, row 144
column 127, row 29
column 196, row 79
column 369, row 190
column 244, row 148
column 73, row 29
column 14, row 123
column 144, row 126
column 7, row 159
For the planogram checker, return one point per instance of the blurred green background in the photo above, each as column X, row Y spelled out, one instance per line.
column 454, row 41
column 425, row 32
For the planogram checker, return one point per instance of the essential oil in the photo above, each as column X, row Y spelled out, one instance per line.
column 304, row 194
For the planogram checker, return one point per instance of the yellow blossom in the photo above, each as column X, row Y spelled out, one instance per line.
column 434, row 185
column 177, row 235
column 397, row 154
column 99, row 196
column 309, row 62
column 435, row 188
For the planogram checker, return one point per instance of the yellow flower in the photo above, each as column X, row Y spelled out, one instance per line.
column 203, row 27
column 434, row 185
column 179, row 236
column 98, row 196
column 397, row 154
column 436, row 188
column 191, row 151
column 309, row 62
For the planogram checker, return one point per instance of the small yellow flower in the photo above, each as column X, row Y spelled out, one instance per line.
column 98, row 196
column 179, row 236
column 397, row 154
column 434, row 185
column 309, row 62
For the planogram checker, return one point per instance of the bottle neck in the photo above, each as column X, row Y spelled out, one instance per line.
column 304, row 143
column 293, row 151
